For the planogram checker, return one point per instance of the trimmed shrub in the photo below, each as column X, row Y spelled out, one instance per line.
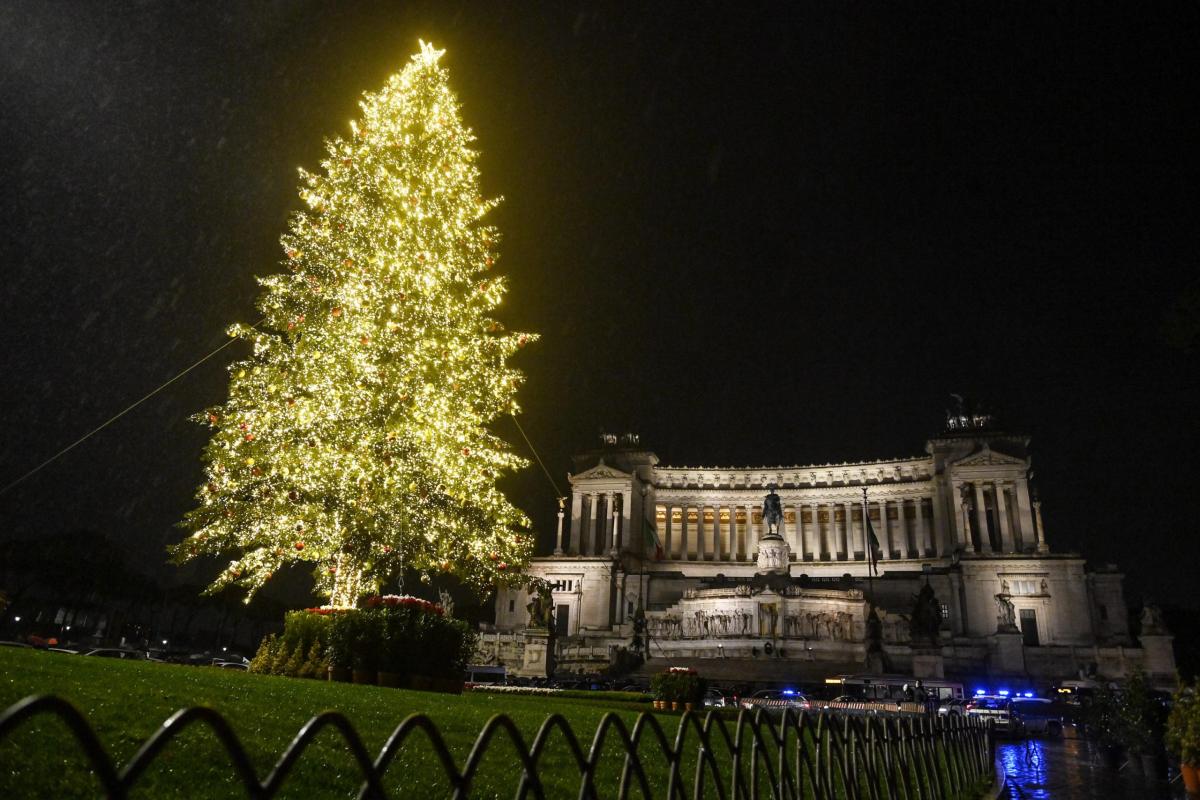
column 403, row 635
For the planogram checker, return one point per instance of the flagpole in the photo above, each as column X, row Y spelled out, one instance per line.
column 868, row 545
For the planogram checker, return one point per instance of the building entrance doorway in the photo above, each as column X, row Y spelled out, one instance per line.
column 1029, row 628
column 562, row 620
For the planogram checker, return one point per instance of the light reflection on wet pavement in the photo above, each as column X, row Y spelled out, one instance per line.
column 1072, row 769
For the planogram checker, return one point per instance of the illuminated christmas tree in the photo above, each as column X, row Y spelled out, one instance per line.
column 355, row 436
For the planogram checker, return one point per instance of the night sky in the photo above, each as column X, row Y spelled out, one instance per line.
column 753, row 237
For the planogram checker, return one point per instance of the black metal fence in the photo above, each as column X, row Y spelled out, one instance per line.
column 755, row 755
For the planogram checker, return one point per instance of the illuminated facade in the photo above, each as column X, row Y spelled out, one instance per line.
column 686, row 545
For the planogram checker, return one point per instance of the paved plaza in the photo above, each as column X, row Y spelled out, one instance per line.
column 1071, row 769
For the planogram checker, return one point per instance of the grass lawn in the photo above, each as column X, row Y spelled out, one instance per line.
column 126, row 701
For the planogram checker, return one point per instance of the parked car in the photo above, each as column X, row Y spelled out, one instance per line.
column 952, row 707
column 998, row 709
column 117, row 652
column 231, row 665
column 1039, row 716
column 714, row 698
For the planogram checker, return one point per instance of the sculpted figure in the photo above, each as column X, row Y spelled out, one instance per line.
column 772, row 513
column 847, row 623
column 926, row 618
column 1006, row 614
column 541, row 607
column 1152, row 619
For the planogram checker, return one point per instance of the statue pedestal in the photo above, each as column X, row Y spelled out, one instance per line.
column 927, row 662
column 774, row 556
column 538, row 661
column 1159, row 659
column 1006, row 654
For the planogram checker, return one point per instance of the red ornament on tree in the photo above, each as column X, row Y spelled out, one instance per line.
column 299, row 545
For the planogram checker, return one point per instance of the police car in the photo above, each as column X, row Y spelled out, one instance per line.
column 997, row 708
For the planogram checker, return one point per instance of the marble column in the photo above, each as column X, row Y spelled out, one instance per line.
column 820, row 545
column 630, row 539
column 1042, row 547
column 738, row 545
column 614, row 541
column 860, row 537
column 851, row 539
column 701, row 532
column 668, row 530
column 883, row 532
column 822, row 548
column 1025, row 513
column 731, row 550
column 684, row 544
column 589, row 544
column 1006, row 537
column 843, row 531
column 923, row 532
column 577, row 522
column 802, row 535
column 752, row 530
column 985, row 539
column 558, row 539
column 714, row 538
column 902, row 526
column 963, row 518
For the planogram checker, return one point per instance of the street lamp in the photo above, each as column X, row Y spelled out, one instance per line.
column 16, row 619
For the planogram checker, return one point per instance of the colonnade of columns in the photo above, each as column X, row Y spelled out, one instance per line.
column 996, row 516
column 815, row 531
column 600, row 524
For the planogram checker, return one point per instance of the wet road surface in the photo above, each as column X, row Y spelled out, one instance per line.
column 1072, row 769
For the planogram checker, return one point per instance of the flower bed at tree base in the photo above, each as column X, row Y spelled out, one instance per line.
column 403, row 642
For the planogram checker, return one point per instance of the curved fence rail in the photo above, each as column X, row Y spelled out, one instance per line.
column 755, row 755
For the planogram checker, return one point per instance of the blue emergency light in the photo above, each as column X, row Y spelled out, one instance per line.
column 789, row 692
column 1003, row 693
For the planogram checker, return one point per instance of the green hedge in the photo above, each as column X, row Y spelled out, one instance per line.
column 401, row 638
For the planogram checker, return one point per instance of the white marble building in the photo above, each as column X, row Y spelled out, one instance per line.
column 682, row 544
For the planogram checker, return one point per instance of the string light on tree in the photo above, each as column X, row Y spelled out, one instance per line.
column 355, row 435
